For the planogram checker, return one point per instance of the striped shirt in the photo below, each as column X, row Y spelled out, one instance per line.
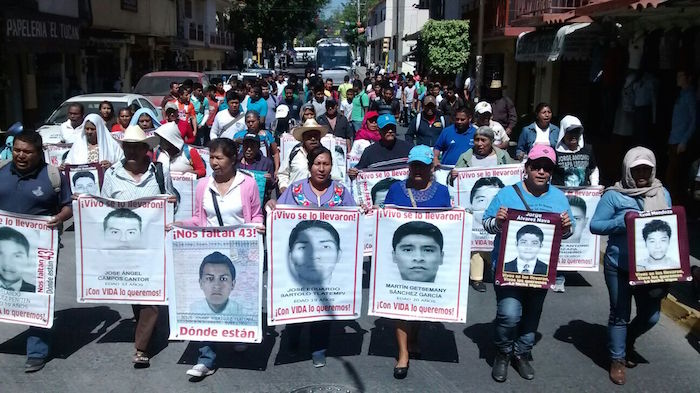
column 119, row 184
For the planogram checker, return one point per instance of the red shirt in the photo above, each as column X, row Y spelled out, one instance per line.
column 185, row 130
column 213, row 110
column 117, row 128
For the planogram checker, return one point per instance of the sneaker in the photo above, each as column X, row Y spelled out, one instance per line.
column 478, row 286
column 318, row 358
column 34, row 365
column 200, row 370
column 559, row 288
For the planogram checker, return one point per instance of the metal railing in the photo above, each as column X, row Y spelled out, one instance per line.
column 525, row 8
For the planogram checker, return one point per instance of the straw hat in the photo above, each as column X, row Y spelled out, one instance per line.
column 135, row 134
column 309, row 125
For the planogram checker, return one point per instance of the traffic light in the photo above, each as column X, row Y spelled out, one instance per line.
column 385, row 45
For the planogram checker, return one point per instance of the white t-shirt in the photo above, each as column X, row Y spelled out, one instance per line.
column 346, row 108
column 409, row 93
column 489, row 161
column 230, row 204
column 542, row 137
column 222, row 119
column 68, row 133
column 499, row 133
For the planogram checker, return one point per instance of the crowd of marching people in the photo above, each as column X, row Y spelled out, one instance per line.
column 242, row 125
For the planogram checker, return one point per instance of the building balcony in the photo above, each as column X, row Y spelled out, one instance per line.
column 221, row 39
column 498, row 17
column 542, row 12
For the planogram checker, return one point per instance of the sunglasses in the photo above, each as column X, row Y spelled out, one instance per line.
column 547, row 167
column 371, row 120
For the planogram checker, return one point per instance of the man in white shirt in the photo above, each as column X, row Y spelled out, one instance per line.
column 73, row 127
column 229, row 121
column 482, row 118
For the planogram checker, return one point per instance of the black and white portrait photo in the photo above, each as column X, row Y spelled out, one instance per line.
column 656, row 243
column 417, row 251
column 528, row 248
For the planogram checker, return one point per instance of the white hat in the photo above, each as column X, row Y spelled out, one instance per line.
column 282, row 111
column 496, row 84
column 483, row 107
column 171, row 133
column 135, row 134
column 309, row 125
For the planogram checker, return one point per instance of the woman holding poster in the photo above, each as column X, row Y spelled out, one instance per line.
column 94, row 145
column 318, row 190
column 418, row 190
column 227, row 197
column 639, row 190
column 483, row 154
column 519, row 308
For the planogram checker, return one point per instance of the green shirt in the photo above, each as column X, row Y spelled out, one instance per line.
column 343, row 88
column 359, row 103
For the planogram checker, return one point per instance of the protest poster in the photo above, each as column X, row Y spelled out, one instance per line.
column 371, row 186
column 55, row 153
column 581, row 251
column 120, row 249
column 529, row 249
column 420, row 265
column 287, row 143
column 119, row 135
column 475, row 187
column 658, row 244
column 184, row 184
column 315, row 264
column 28, row 257
column 215, row 279
column 85, row 179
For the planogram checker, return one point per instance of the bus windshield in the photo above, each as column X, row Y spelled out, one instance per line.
column 329, row 57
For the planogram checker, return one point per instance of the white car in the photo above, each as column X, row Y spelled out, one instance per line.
column 51, row 130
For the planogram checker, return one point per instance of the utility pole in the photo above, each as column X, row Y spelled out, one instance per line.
column 359, row 24
column 479, row 51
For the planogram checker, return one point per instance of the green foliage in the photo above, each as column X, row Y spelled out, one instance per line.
column 444, row 46
column 276, row 21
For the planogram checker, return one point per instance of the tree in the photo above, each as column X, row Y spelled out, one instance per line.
column 276, row 21
column 444, row 46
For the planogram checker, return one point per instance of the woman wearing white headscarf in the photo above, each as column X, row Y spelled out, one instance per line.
column 145, row 118
column 94, row 144
column 639, row 190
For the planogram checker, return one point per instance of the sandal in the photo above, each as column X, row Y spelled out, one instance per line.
column 141, row 359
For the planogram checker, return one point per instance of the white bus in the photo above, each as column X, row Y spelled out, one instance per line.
column 334, row 59
column 304, row 54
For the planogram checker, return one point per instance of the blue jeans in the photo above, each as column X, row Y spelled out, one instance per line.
column 517, row 317
column 357, row 125
column 207, row 355
column 38, row 343
column 648, row 300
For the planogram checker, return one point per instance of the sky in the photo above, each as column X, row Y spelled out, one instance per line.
column 332, row 5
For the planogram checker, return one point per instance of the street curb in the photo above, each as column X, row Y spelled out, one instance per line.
column 687, row 317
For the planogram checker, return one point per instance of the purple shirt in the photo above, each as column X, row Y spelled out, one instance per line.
column 287, row 197
column 261, row 163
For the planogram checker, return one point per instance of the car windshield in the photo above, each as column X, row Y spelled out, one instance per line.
column 334, row 56
column 155, row 85
column 60, row 115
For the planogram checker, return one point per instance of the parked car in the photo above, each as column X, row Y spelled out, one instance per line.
column 51, row 130
column 156, row 85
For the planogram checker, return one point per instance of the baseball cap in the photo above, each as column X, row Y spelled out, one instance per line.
column 429, row 99
column 385, row 120
column 542, row 151
column 483, row 107
column 421, row 153
column 282, row 112
column 251, row 137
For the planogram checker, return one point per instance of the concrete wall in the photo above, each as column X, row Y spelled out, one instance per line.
column 154, row 17
column 59, row 7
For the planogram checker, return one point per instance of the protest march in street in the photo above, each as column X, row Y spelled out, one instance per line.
column 296, row 205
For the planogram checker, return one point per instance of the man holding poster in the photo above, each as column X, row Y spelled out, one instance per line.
column 132, row 178
column 519, row 309
column 29, row 186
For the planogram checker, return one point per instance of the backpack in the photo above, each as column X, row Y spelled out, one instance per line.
column 442, row 119
column 53, row 172
column 6, row 153
column 295, row 150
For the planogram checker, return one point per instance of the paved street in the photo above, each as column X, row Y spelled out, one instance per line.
column 93, row 348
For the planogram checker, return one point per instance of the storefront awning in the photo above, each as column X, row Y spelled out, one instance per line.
column 570, row 42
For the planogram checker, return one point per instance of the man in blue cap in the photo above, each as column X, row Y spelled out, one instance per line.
column 387, row 152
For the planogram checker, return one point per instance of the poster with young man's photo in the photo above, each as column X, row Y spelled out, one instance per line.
column 28, row 257
column 474, row 188
column 55, row 153
column 315, row 264
column 120, row 249
column 215, row 277
column 85, row 179
column 581, row 251
column 658, row 246
column 420, row 265
column 529, row 249
column 184, row 184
